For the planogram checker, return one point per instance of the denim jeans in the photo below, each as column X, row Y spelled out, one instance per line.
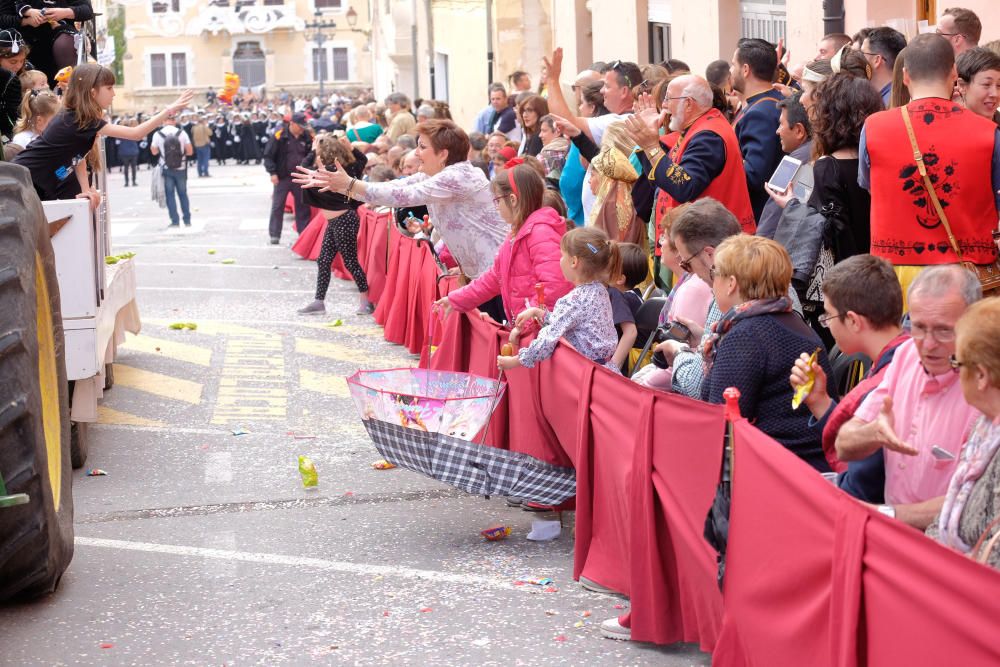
column 176, row 181
column 203, row 153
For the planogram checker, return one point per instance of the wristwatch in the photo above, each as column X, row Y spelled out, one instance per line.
column 652, row 153
column 888, row 510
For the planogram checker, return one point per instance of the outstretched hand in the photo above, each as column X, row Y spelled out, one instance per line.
column 553, row 66
column 885, row 430
column 181, row 102
column 564, row 127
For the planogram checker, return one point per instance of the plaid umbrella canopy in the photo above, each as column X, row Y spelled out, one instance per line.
column 428, row 430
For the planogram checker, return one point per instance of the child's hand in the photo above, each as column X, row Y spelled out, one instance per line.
column 507, row 363
column 536, row 314
column 444, row 305
column 515, row 337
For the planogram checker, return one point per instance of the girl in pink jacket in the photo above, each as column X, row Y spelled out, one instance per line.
column 528, row 256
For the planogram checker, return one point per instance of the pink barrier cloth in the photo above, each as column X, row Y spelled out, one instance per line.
column 289, row 203
column 814, row 577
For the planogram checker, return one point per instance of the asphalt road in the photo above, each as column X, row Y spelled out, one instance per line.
column 201, row 547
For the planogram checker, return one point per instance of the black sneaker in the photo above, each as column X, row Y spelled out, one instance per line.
column 275, row 240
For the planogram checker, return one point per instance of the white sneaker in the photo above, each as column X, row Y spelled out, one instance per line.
column 612, row 629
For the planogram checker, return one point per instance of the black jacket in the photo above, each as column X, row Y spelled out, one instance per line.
column 277, row 147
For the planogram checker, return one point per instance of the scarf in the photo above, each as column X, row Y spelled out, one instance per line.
column 976, row 456
column 613, row 209
column 743, row 311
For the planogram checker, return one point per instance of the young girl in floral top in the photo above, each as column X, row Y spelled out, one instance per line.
column 583, row 317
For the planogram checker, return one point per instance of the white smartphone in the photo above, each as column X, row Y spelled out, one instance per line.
column 784, row 174
column 942, row 454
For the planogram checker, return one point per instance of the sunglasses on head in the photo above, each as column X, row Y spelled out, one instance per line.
column 618, row 66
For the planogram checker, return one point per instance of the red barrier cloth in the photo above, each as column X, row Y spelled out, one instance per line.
column 814, row 577
column 289, row 203
column 308, row 245
column 373, row 249
column 392, row 272
column 677, row 459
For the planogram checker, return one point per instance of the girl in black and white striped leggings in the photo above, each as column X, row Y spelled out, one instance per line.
column 342, row 220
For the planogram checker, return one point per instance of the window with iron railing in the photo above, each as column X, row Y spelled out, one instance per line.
column 178, row 69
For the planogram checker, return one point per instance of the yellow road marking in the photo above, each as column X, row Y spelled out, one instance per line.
column 252, row 380
column 370, row 331
column 211, row 327
column 106, row 415
column 338, row 352
column 158, row 384
column 195, row 354
column 324, row 383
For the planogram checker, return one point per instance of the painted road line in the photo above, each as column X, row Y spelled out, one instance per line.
column 158, row 384
column 229, row 267
column 343, row 353
column 366, row 570
column 242, row 246
column 324, row 383
column 108, row 417
column 254, row 225
column 252, row 382
column 224, row 290
column 212, row 327
column 193, row 354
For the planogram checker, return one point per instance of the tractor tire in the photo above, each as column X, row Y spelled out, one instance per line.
column 36, row 538
column 79, row 444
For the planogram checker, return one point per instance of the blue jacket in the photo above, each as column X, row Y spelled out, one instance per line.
column 127, row 148
column 756, row 130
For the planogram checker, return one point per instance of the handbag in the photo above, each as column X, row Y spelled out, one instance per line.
column 988, row 274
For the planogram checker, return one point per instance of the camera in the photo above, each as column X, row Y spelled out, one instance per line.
column 670, row 331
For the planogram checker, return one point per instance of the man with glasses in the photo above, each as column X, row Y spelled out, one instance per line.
column 705, row 161
column 917, row 415
column 619, row 80
column 961, row 27
column 881, row 47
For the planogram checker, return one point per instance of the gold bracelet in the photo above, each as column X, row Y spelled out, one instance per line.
column 350, row 187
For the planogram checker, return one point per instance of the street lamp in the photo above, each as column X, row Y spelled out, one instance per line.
column 319, row 26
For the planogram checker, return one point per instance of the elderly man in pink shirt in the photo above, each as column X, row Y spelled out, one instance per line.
column 918, row 414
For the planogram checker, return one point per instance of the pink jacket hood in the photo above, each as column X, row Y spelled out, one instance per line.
column 530, row 257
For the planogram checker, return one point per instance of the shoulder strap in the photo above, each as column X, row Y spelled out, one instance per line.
column 919, row 157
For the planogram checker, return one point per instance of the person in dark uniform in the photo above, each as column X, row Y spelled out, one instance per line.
column 285, row 151
column 223, row 143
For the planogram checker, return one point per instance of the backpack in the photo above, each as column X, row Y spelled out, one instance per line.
column 173, row 152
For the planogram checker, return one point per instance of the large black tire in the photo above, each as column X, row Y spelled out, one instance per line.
column 79, row 444
column 36, row 539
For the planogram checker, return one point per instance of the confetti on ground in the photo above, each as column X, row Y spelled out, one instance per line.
column 586, row 614
column 385, row 613
column 560, row 638
column 551, row 612
column 335, row 323
column 578, row 624
column 211, row 251
column 480, row 642
column 619, row 606
column 425, row 610
column 96, row 472
column 228, row 261
column 348, row 493
column 551, row 589
column 178, row 326
column 239, row 431
column 106, row 645
column 382, row 464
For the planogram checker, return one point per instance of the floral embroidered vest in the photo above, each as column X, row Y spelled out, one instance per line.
column 957, row 146
column 730, row 186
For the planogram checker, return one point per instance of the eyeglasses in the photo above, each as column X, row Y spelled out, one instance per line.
column 686, row 263
column 679, row 97
column 869, row 53
column 618, row 66
column 940, row 334
column 713, row 273
column 824, row 320
column 947, row 34
column 955, row 363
